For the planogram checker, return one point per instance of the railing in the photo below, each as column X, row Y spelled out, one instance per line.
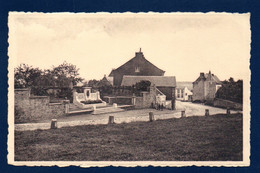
column 158, row 91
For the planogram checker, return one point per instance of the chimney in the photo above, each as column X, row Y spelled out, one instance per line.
column 140, row 53
column 202, row 75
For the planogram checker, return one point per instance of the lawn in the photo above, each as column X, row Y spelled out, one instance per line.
column 213, row 138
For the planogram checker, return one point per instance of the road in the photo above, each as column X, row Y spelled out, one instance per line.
column 191, row 109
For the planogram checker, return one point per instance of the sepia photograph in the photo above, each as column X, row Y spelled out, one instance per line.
column 129, row 89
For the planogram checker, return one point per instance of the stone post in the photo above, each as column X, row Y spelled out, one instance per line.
column 54, row 124
column 228, row 111
column 206, row 112
column 111, row 120
column 133, row 100
column 66, row 106
column 183, row 114
column 109, row 98
column 114, row 105
column 173, row 104
column 151, row 116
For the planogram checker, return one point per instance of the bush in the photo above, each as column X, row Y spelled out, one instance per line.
column 231, row 90
column 143, row 85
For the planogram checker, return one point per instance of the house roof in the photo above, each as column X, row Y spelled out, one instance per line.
column 208, row 76
column 160, row 81
column 214, row 77
column 111, row 73
column 138, row 55
column 104, row 82
column 184, row 84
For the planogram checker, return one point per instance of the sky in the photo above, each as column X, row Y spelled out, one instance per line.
column 182, row 44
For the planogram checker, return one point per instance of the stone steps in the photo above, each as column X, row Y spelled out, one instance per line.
column 73, row 107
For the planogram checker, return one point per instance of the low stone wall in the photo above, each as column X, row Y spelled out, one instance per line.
column 227, row 104
column 139, row 102
column 120, row 100
column 31, row 108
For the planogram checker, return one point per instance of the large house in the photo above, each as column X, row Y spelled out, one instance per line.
column 205, row 87
column 184, row 91
column 137, row 66
column 140, row 69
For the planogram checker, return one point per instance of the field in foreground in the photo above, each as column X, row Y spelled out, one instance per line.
column 213, row 138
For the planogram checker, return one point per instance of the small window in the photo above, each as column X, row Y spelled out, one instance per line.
column 137, row 69
column 88, row 93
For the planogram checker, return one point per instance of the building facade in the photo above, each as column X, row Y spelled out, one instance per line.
column 205, row 87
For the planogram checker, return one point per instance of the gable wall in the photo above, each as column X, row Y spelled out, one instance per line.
column 146, row 69
column 198, row 91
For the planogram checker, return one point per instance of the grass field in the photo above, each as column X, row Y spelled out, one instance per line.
column 213, row 138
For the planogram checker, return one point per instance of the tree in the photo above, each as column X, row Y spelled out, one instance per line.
column 143, row 85
column 231, row 90
column 63, row 77
column 67, row 71
column 93, row 83
column 26, row 76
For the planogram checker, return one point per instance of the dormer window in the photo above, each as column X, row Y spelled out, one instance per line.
column 137, row 69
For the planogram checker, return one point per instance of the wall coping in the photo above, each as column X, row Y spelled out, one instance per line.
column 52, row 104
column 21, row 89
column 38, row 97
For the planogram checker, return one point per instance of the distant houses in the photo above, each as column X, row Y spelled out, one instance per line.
column 184, row 91
column 205, row 87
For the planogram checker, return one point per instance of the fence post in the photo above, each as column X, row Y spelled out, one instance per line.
column 151, row 116
column 228, row 111
column 206, row 112
column 183, row 114
column 54, row 124
column 111, row 120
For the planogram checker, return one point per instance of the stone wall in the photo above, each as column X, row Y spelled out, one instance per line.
column 144, row 101
column 227, row 104
column 32, row 108
column 120, row 100
column 139, row 102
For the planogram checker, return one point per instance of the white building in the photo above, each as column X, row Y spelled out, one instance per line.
column 184, row 91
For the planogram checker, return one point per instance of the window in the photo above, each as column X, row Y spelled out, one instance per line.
column 137, row 69
column 88, row 93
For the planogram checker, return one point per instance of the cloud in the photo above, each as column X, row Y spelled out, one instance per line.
column 96, row 44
